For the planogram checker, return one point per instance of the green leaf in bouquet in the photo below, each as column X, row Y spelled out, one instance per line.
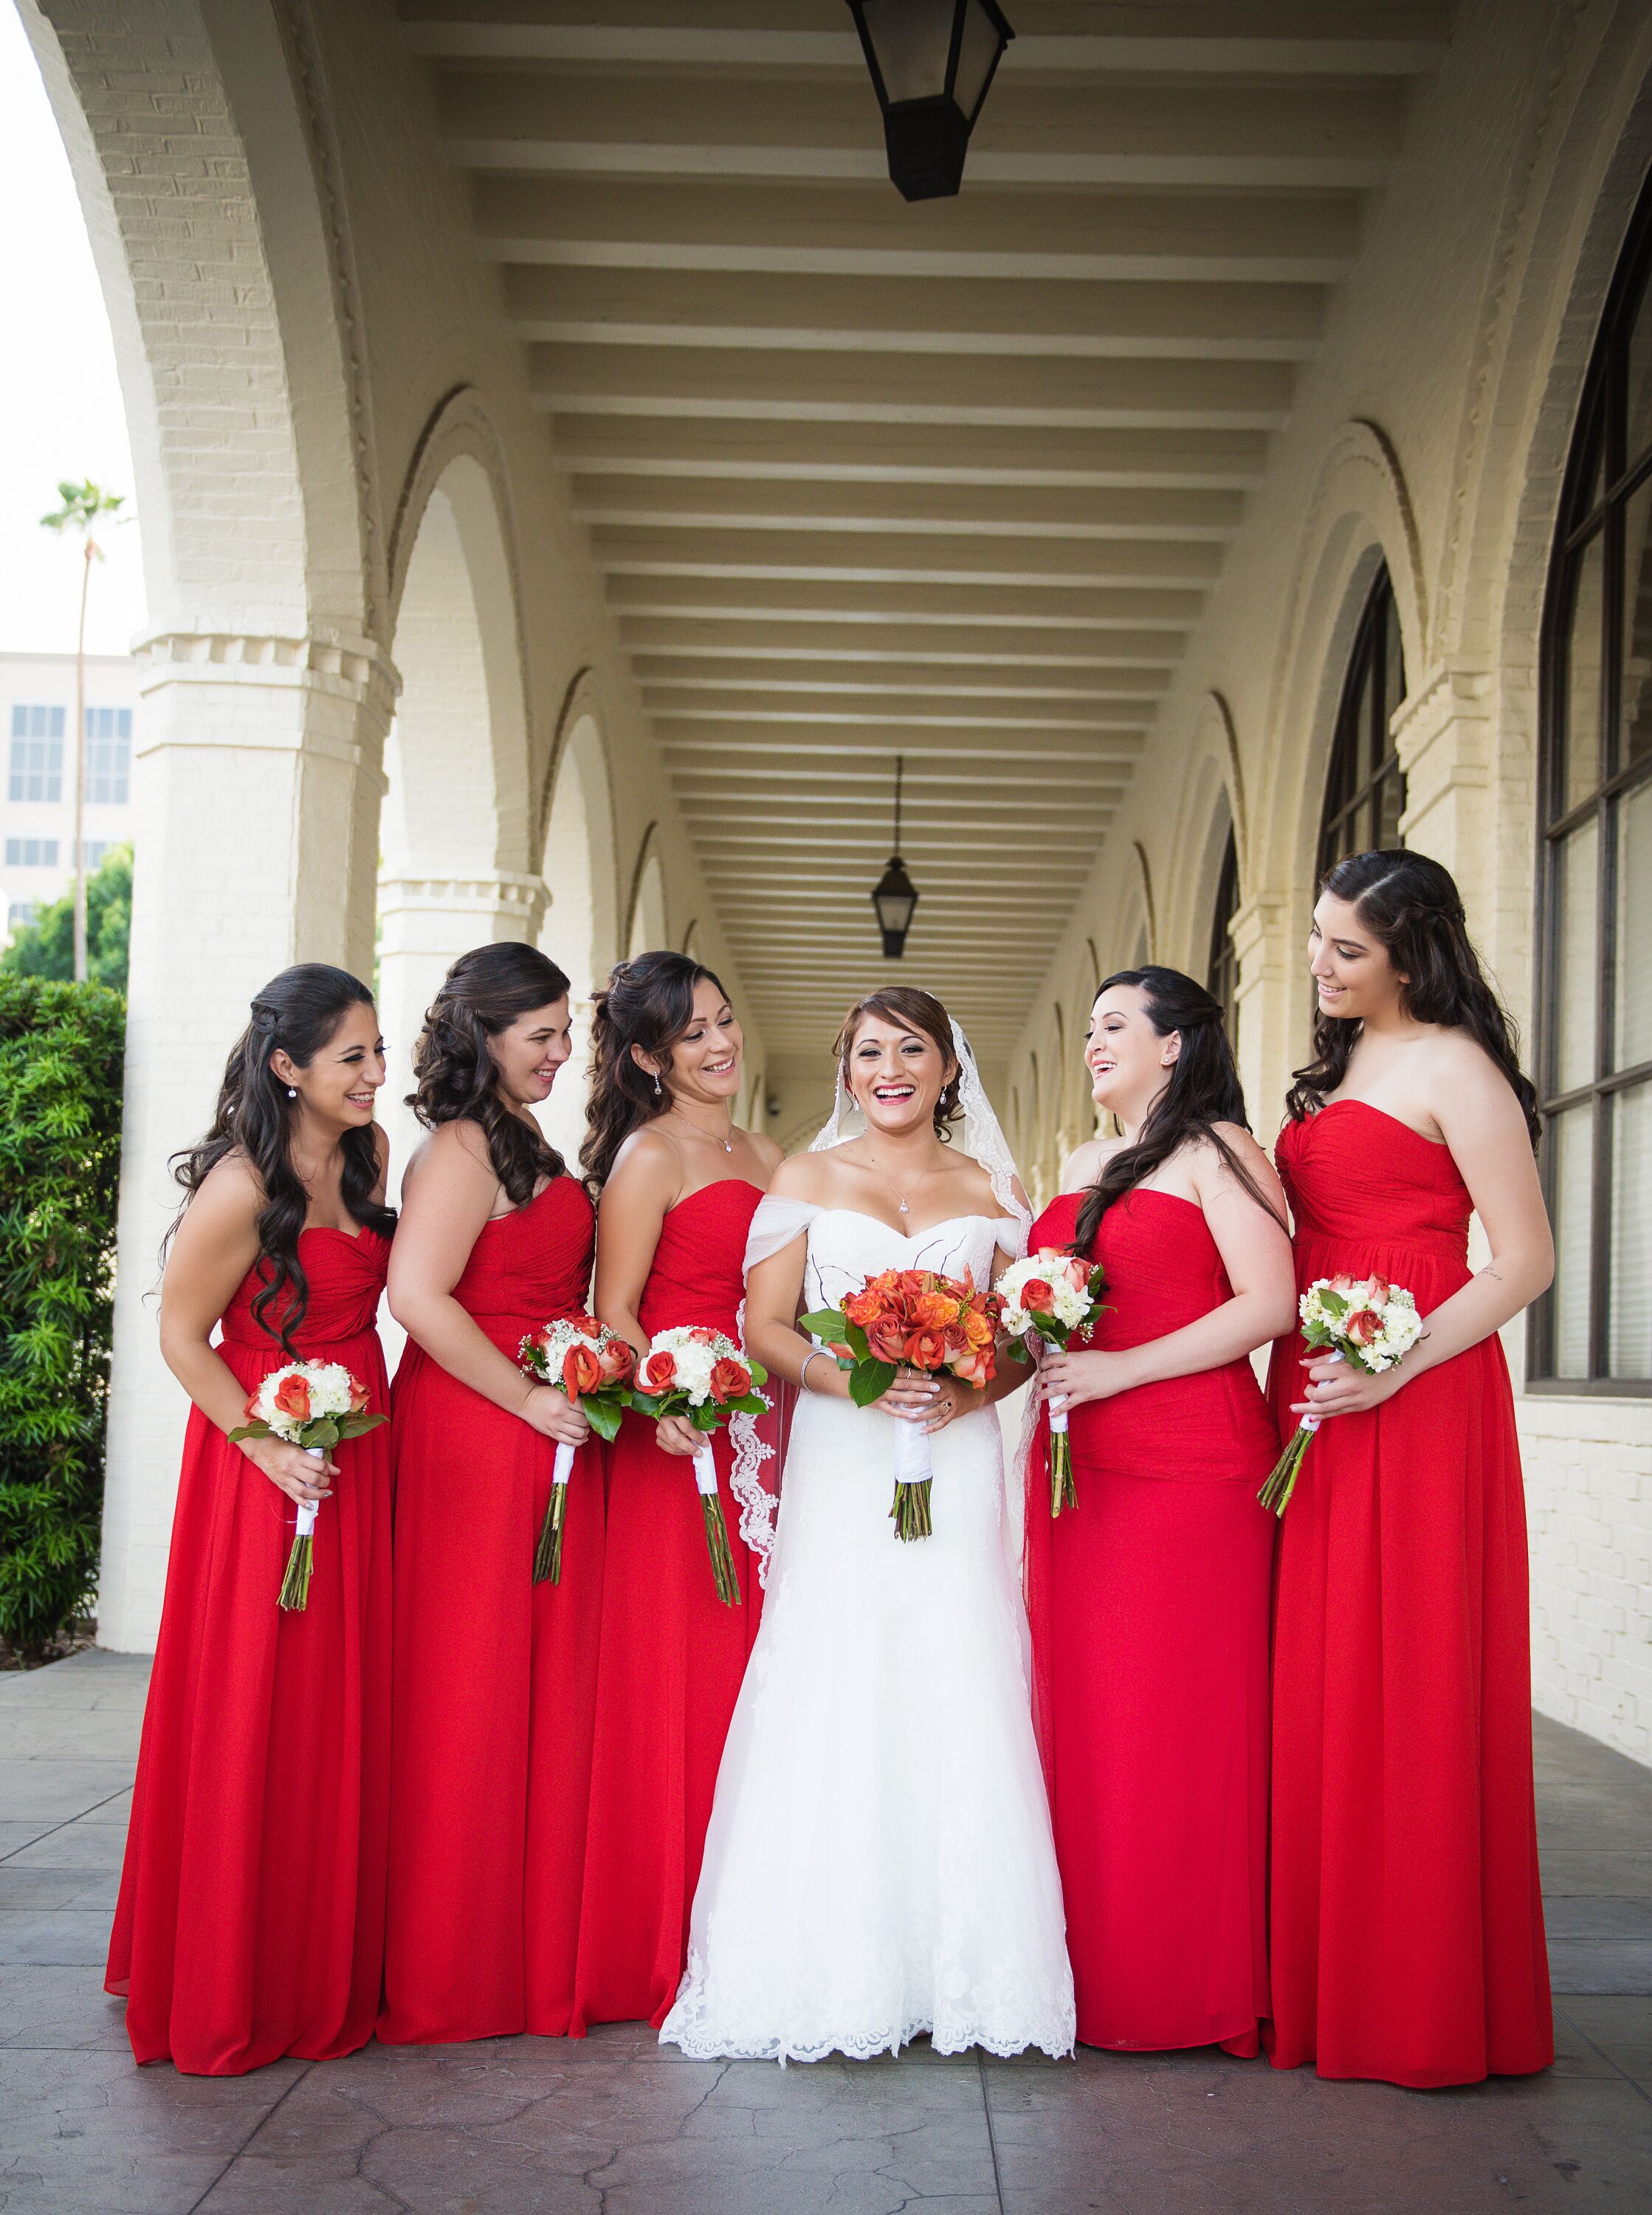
column 357, row 1426
column 604, row 1417
column 826, row 1323
column 1333, row 1303
column 706, row 1417
column 759, row 1375
column 323, row 1432
column 869, row 1381
column 249, row 1431
column 1048, row 1328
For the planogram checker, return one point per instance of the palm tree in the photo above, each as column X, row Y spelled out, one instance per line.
column 83, row 505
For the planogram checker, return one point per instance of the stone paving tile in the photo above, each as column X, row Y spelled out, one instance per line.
column 1204, row 2137
column 15, row 1837
column 58, row 1791
column 59, row 2010
column 36, row 1887
column 105, row 2138
column 96, row 1848
column 1569, row 1870
column 1602, row 1916
column 519, row 2126
column 54, row 1938
column 1618, row 2028
column 1605, row 1964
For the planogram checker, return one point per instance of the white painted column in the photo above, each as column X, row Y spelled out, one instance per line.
column 257, row 786
column 1272, row 968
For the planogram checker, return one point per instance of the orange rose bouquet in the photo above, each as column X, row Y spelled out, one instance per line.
column 593, row 1365
column 911, row 1319
column 312, row 1405
column 703, row 1376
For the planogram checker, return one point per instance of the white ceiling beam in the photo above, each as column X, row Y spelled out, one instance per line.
column 1137, row 512
column 761, row 645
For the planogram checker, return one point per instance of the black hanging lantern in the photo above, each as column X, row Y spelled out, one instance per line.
column 932, row 62
column 895, row 896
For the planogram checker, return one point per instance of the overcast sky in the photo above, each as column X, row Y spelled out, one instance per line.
column 60, row 414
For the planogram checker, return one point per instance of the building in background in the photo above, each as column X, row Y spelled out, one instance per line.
column 37, row 818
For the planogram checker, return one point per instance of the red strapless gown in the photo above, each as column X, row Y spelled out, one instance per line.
column 1149, row 1605
column 673, row 1654
column 251, row 1916
column 494, row 1676
column 1407, row 1925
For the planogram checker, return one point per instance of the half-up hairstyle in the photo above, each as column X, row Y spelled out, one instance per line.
column 1203, row 1090
column 1411, row 906
column 296, row 1013
column 914, row 1010
column 648, row 1002
column 455, row 1076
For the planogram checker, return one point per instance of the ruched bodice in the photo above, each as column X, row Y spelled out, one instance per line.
column 347, row 1281
column 1163, row 1273
column 1378, row 1192
column 699, row 1271
column 531, row 1265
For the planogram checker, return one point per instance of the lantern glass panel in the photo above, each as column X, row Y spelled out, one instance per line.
column 978, row 51
column 913, row 41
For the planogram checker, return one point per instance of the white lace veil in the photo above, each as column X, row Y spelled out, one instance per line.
column 983, row 1136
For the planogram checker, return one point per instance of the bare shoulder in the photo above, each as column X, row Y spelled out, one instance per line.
column 1469, row 1094
column 1084, row 1164
column 231, row 1193
column 381, row 1154
column 1213, row 1170
column 649, row 1159
column 969, row 1172
column 807, row 1177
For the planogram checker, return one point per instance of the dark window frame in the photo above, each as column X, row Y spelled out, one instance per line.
column 1221, row 964
column 1590, row 512
column 1359, row 779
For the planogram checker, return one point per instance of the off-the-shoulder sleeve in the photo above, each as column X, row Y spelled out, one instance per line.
column 776, row 1224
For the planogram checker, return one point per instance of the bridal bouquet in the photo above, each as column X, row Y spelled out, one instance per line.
column 912, row 1319
column 312, row 1405
column 1364, row 1320
column 1052, row 1295
column 593, row 1365
column 702, row 1374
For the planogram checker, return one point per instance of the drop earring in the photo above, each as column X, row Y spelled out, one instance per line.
column 659, row 1090
column 292, row 1092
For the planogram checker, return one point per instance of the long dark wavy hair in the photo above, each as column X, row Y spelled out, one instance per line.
column 296, row 1013
column 915, row 1010
column 1411, row 906
column 648, row 1002
column 456, row 1077
column 1203, row 1089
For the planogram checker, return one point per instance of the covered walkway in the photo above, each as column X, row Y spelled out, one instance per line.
column 618, row 2125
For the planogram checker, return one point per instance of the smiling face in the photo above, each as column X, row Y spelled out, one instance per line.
column 1129, row 1062
column 897, row 1075
column 341, row 1082
column 1352, row 970
column 528, row 1052
column 703, row 1064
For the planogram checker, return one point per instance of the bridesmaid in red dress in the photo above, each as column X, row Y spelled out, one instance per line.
column 1407, row 1925
column 251, row 1916
column 494, row 1675
column 680, row 1183
column 1148, row 1601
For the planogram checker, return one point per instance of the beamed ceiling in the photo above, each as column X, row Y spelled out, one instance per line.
column 951, row 479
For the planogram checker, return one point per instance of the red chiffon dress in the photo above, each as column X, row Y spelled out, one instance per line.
column 1407, row 1925
column 673, row 1654
column 1148, row 1606
column 494, row 1676
column 251, row 1916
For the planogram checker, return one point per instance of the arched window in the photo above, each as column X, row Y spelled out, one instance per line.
column 1593, row 1329
column 1222, row 968
column 1365, row 786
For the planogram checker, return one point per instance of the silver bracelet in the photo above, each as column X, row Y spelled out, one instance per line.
column 813, row 1354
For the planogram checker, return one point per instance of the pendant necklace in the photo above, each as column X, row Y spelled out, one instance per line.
column 727, row 1145
column 903, row 1204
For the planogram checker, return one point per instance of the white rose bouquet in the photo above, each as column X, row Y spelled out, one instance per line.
column 593, row 1365
column 1052, row 1295
column 1364, row 1320
column 703, row 1376
column 312, row 1405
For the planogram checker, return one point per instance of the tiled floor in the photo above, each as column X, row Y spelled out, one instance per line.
column 616, row 2127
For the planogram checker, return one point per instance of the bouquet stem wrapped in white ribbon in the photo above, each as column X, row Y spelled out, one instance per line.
column 1364, row 1320
column 702, row 1375
column 1052, row 1295
column 594, row 1366
column 312, row 1405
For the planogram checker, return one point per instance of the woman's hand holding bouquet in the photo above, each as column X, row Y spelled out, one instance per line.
column 702, row 1377
column 594, row 1366
column 910, row 1319
column 1364, row 1320
column 312, row 1405
column 1052, row 1296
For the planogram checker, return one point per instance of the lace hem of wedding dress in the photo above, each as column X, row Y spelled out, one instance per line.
column 758, row 1503
column 1053, row 2035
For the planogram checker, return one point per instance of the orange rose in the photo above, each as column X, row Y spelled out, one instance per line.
column 581, row 1371
column 358, row 1397
column 862, row 1307
column 587, row 1325
column 977, row 1370
column 619, row 1361
column 1364, row 1326
column 1037, row 1295
column 292, row 1398
column 934, row 1311
column 702, row 1334
column 926, row 1349
column 730, row 1380
column 978, row 1327
column 659, row 1371
column 886, row 1338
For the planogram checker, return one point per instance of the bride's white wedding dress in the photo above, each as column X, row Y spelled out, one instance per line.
column 879, row 1860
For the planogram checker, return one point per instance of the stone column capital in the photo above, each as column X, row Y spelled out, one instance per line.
column 356, row 670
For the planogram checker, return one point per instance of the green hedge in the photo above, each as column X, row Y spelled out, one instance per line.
column 61, row 1064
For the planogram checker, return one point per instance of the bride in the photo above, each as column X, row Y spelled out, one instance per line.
column 879, row 1860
